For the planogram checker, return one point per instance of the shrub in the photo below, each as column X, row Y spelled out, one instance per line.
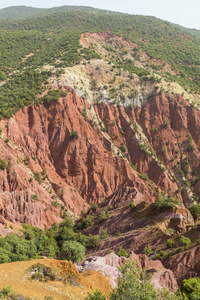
column 132, row 205
column 85, row 222
column 38, row 177
column 191, row 288
column 147, row 250
column 198, row 241
column 5, row 292
column 157, row 256
column 135, row 127
column 122, row 147
column 110, row 251
column 93, row 241
column 105, row 214
column 169, row 243
column 44, row 173
column 163, row 202
column 122, row 252
column 166, row 123
column 55, row 204
column 104, row 234
column 4, row 258
column 185, row 241
column 74, row 134
column 135, row 284
column 35, row 197
column 162, row 253
column 96, row 295
column 94, row 206
column 43, row 273
column 195, row 211
column 72, row 251
column 3, row 164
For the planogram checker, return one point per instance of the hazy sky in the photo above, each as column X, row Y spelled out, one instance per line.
column 183, row 12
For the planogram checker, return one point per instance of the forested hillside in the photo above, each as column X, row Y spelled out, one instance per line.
column 100, row 133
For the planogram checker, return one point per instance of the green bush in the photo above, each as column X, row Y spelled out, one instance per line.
column 96, row 295
column 122, row 147
column 5, row 292
column 147, row 250
column 135, row 284
column 104, row 234
column 132, row 205
column 191, row 288
column 74, row 134
column 72, row 251
column 43, row 273
column 169, row 243
column 162, row 253
column 195, row 211
column 55, row 204
column 85, row 222
column 110, row 251
column 35, row 197
column 94, row 206
column 185, row 241
column 163, row 202
column 3, row 164
column 122, row 252
column 38, row 177
column 93, row 241
column 157, row 256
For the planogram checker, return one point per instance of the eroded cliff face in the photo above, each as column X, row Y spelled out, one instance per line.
column 110, row 263
column 113, row 147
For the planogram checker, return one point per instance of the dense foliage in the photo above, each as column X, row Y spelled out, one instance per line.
column 195, row 211
column 135, row 284
column 163, row 202
column 59, row 241
column 191, row 288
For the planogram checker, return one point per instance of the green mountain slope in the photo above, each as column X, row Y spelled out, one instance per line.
column 18, row 12
column 54, row 39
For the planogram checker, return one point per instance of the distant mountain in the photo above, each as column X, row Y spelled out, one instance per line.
column 189, row 30
column 18, row 12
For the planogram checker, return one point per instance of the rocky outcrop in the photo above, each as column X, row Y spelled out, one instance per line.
column 19, row 207
column 185, row 264
column 101, row 163
column 108, row 266
column 124, row 195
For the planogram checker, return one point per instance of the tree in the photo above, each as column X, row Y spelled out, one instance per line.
column 122, row 252
column 169, row 243
column 195, row 211
column 147, row 250
column 3, row 164
column 96, row 295
column 134, row 284
column 72, row 251
column 191, row 288
column 185, row 241
column 74, row 134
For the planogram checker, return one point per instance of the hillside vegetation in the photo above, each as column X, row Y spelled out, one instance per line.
column 99, row 124
column 54, row 39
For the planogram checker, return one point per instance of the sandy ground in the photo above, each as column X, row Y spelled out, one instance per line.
column 17, row 277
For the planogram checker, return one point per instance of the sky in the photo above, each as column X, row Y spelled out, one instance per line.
column 182, row 12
